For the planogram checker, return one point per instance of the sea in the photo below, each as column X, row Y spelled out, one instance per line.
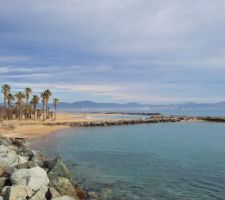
column 174, row 161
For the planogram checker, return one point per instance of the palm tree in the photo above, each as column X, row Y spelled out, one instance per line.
column 5, row 90
column 55, row 103
column 47, row 95
column 34, row 103
column 20, row 96
column 43, row 96
column 10, row 98
column 28, row 91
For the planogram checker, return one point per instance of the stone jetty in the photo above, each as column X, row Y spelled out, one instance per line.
column 27, row 175
column 146, row 120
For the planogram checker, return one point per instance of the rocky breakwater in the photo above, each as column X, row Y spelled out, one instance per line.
column 26, row 175
column 148, row 120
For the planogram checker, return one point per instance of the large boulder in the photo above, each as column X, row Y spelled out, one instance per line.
column 34, row 178
column 64, row 187
column 9, row 158
column 17, row 192
column 57, row 168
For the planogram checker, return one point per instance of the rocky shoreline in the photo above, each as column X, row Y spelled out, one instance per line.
column 148, row 120
column 27, row 175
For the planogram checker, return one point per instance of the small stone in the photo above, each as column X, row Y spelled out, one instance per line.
column 64, row 198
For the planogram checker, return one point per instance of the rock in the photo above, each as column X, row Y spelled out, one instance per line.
column 17, row 192
column 2, row 182
column 64, row 198
column 26, row 165
column 53, row 193
column 80, row 193
column 19, row 142
column 64, row 187
column 58, row 168
column 9, row 158
column 1, row 170
column 3, row 150
column 38, row 159
column 5, row 141
column 35, row 178
column 40, row 194
column 93, row 195
column 12, row 148
column 22, row 159
column 9, row 170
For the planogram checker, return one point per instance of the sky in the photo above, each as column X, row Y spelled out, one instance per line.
column 147, row 51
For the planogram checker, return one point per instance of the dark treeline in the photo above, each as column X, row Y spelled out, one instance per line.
column 22, row 105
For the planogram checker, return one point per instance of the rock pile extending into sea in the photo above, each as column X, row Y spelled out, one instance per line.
column 27, row 175
column 148, row 120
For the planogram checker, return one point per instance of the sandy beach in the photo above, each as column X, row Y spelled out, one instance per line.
column 38, row 128
column 32, row 129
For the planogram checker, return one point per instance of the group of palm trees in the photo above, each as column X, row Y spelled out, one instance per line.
column 26, row 108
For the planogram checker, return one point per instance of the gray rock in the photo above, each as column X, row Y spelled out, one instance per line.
column 9, row 170
column 64, row 187
column 36, row 158
column 9, row 158
column 5, row 141
column 58, row 168
column 17, row 192
column 53, row 193
column 35, row 178
column 40, row 194
column 26, row 165
column 64, row 198
column 1, row 170
column 2, row 182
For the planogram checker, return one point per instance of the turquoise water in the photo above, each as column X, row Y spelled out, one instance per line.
column 156, row 161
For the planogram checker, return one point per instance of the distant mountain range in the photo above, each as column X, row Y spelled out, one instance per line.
column 90, row 105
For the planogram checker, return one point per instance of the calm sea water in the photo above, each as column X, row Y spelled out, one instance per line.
column 156, row 161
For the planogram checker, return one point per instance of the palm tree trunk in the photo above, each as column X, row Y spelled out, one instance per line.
column 55, row 114
column 34, row 113
column 43, row 112
column 46, row 110
column 5, row 102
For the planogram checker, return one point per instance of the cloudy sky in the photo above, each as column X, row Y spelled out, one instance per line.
column 149, row 51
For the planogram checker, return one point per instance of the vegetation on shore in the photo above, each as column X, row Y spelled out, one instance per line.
column 22, row 105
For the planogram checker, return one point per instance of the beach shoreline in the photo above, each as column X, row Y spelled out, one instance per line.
column 39, row 128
